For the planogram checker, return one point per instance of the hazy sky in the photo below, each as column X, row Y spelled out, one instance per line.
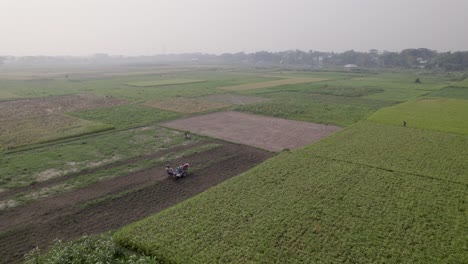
column 145, row 27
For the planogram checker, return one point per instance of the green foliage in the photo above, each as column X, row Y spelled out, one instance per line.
column 23, row 168
column 319, row 108
column 297, row 208
column 306, row 110
column 347, row 91
column 163, row 82
column 126, row 116
column 398, row 95
column 451, row 92
column 442, row 114
column 395, row 148
column 87, row 249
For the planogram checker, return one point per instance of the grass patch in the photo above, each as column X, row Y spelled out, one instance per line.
column 163, row 82
column 24, row 168
column 398, row 95
column 126, row 116
column 93, row 178
column 317, row 108
column 428, row 153
column 451, row 92
column 186, row 105
column 88, row 249
column 325, row 212
column 18, row 132
column 251, row 86
column 442, row 114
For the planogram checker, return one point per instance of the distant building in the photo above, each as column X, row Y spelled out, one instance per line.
column 351, row 67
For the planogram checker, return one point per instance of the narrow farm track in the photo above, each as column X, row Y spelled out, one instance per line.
column 62, row 217
column 5, row 195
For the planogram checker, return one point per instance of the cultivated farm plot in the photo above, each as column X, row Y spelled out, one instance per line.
column 441, row 114
column 29, row 121
column 125, row 116
column 233, row 99
column 451, row 92
column 185, row 105
column 40, row 128
column 297, row 208
column 269, row 133
column 426, row 153
column 163, row 82
column 115, row 202
column 251, row 86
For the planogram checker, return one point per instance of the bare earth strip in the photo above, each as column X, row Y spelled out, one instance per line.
column 250, row 86
column 186, row 106
column 274, row 134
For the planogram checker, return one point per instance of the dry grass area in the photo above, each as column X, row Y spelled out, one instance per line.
column 186, row 106
column 251, row 86
column 39, row 128
column 29, row 121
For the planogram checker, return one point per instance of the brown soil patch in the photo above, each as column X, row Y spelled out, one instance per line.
column 269, row 133
column 186, row 106
column 250, row 86
column 38, row 224
column 232, row 99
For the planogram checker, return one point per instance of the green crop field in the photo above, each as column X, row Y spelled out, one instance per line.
column 463, row 83
column 35, row 129
column 126, row 116
column 442, row 114
column 299, row 208
column 374, row 192
column 319, row 108
column 395, row 148
column 163, row 82
column 451, row 92
column 26, row 167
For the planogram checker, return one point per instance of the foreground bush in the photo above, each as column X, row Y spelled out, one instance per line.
column 87, row 249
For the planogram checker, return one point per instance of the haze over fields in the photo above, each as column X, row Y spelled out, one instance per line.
column 145, row 27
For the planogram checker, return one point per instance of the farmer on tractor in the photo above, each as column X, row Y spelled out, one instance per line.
column 169, row 171
column 179, row 172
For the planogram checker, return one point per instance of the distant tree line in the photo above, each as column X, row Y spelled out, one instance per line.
column 408, row 59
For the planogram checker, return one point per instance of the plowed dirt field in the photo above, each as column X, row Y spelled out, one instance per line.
column 129, row 198
column 274, row 134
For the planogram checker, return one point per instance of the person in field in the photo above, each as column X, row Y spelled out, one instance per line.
column 169, row 170
column 187, row 135
column 404, row 123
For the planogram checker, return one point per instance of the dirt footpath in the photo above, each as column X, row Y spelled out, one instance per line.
column 274, row 134
column 65, row 217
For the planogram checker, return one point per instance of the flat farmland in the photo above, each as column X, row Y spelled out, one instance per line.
column 269, row 133
column 234, row 99
column 29, row 121
column 441, row 114
column 163, row 82
column 116, row 202
column 251, row 86
column 186, row 105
